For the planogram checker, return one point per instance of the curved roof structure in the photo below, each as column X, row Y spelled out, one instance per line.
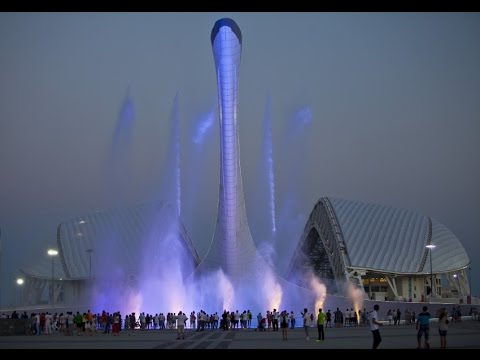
column 122, row 232
column 391, row 239
column 341, row 235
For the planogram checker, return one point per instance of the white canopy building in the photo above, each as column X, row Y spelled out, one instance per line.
column 113, row 243
column 389, row 253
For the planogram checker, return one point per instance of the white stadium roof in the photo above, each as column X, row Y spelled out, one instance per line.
column 124, row 228
column 389, row 239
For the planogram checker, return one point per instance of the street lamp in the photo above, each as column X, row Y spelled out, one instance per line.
column 457, row 279
column 20, row 282
column 470, row 280
column 431, row 247
column 89, row 251
column 53, row 253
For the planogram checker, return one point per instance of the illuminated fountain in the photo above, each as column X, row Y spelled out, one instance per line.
column 233, row 275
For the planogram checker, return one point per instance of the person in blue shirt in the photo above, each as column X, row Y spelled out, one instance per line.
column 423, row 327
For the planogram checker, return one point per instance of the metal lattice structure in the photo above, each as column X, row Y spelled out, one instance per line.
column 321, row 249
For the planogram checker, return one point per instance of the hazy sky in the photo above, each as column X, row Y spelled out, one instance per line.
column 394, row 101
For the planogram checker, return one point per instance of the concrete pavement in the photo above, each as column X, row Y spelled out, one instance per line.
column 463, row 335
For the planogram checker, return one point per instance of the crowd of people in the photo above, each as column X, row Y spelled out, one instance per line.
column 89, row 323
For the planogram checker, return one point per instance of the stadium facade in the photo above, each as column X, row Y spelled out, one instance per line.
column 388, row 253
column 86, row 242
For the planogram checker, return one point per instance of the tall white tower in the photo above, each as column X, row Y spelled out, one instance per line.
column 232, row 248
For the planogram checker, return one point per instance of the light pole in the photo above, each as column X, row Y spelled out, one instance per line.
column 470, row 280
column 89, row 251
column 53, row 253
column 20, row 282
column 457, row 279
column 431, row 247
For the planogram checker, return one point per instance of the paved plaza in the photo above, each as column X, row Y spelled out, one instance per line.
column 461, row 335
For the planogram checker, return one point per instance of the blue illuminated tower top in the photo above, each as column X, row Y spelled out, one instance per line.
column 226, row 22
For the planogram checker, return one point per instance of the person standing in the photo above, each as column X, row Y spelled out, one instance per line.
column 275, row 315
column 374, row 326
column 306, row 323
column 181, row 320
column 193, row 320
column 284, row 324
column 116, row 324
column 292, row 320
column 328, row 318
column 320, row 322
column 423, row 327
column 443, row 327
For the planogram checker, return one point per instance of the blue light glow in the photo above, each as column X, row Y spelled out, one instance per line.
column 268, row 153
column 176, row 137
column 205, row 124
